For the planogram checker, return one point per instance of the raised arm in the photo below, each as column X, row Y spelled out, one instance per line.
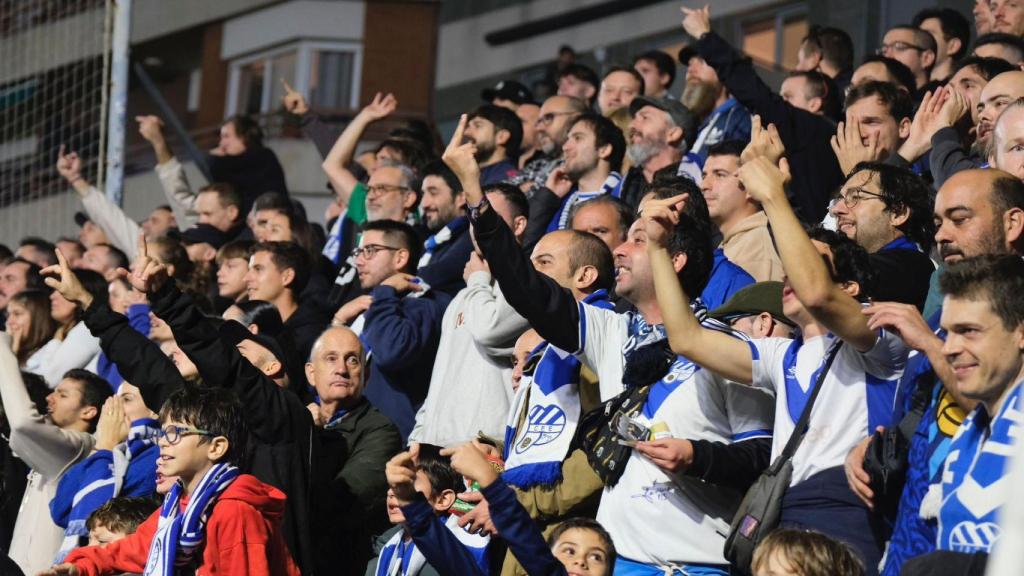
column 118, row 226
column 716, row 351
column 138, row 359
column 42, row 445
column 549, row 308
column 807, row 273
column 341, row 153
column 522, row 535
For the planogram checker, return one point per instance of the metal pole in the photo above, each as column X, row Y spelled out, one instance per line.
column 118, row 100
column 171, row 119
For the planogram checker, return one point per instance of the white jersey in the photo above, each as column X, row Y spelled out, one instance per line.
column 652, row 517
column 857, row 395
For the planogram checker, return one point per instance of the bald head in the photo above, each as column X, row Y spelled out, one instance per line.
column 336, row 367
column 999, row 93
column 979, row 212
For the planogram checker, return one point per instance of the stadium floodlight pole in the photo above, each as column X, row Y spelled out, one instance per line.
column 168, row 116
column 116, row 119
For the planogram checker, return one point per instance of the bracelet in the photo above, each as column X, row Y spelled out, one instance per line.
column 475, row 209
column 75, row 179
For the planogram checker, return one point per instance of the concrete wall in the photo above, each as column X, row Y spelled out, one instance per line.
column 54, row 216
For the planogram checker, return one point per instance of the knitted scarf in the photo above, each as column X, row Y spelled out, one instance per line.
column 975, row 484
column 179, row 536
column 612, row 185
column 545, row 414
column 98, row 490
column 442, row 237
column 401, row 558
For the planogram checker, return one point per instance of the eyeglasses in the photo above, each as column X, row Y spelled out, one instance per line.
column 381, row 189
column 898, row 47
column 545, row 119
column 854, row 196
column 174, row 434
column 370, row 250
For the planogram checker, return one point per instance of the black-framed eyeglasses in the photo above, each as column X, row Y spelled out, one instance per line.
column 174, row 433
column 381, row 189
column 854, row 196
column 545, row 119
column 370, row 250
column 898, row 46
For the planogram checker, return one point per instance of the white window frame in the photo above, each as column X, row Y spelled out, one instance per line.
column 304, row 50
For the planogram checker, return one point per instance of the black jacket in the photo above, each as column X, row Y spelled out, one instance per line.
column 252, row 173
column 304, row 326
column 816, row 172
column 284, row 442
column 352, row 491
column 901, row 276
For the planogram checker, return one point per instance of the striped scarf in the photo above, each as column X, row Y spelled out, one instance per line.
column 545, row 414
column 179, row 536
column 401, row 558
column 443, row 236
column 97, row 491
column 612, row 185
column 975, row 483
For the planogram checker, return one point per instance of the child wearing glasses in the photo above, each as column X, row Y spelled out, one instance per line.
column 202, row 438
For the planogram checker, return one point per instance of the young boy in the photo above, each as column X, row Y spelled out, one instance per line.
column 118, row 518
column 578, row 546
column 203, row 435
column 788, row 552
column 434, row 479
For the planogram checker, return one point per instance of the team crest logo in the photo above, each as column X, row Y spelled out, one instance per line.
column 544, row 424
column 970, row 537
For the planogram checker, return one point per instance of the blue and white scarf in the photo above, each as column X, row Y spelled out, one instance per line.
column 442, row 237
column 641, row 333
column 336, row 418
column 332, row 247
column 142, row 435
column 545, row 414
column 179, row 536
column 612, row 185
column 975, row 483
column 401, row 558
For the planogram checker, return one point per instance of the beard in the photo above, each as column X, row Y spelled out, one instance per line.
column 992, row 243
column 700, row 98
column 644, row 150
column 484, row 151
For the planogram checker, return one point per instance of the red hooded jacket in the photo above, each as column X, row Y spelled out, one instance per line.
column 243, row 537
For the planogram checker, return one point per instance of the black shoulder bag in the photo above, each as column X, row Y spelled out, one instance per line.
column 761, row 508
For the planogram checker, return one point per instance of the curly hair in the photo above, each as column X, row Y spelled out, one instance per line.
column 901, row 190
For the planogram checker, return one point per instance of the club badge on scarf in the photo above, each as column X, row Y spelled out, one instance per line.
column 975, row 483
column 543, row 420
column 180, row 535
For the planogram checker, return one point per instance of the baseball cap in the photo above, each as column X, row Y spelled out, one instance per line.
column 201, row 233
column 508, row 90
column 81, row 218
column 753, row 299
column 685, row 53
column 680, row 114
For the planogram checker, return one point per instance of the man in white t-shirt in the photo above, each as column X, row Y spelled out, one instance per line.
column 824, row 301
column 661, row 521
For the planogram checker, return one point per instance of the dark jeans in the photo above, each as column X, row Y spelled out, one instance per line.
column 825, row 503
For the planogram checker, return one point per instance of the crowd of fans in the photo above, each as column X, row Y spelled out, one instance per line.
column 568, row 343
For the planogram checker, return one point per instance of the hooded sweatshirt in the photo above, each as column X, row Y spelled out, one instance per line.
column 242, row 537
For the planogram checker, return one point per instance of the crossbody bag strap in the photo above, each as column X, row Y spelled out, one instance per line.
column 801, row 426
